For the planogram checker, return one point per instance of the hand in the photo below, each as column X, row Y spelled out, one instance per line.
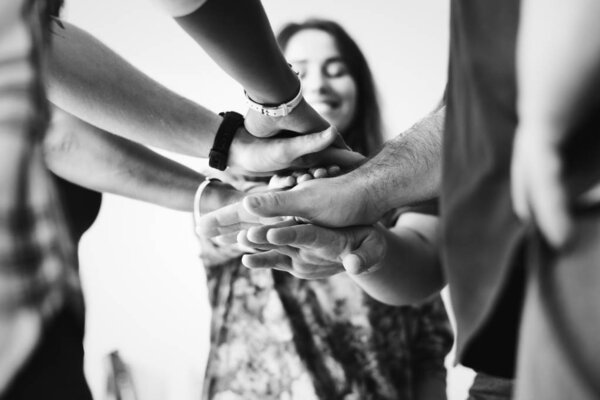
column 250, row 155
column 335, row 202
column 218, row 195
column 297, row 177
column 311, row 252
column 223, row 224
column 538, row 191
column 213, row 254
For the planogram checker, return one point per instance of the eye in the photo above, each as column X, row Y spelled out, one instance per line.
column 335, row 69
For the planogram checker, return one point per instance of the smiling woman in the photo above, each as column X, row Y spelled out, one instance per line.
column 323, row 338
column 336, row 79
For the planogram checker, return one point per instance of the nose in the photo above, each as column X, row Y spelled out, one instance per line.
column 314, row 81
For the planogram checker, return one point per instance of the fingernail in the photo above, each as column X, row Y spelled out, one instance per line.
column 252, row 202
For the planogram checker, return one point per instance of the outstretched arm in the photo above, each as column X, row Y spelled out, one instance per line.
column 98, row 160
column 398, row 266
column 558, row 67
column 406, row 171
column 87, row 79
column 238, row 36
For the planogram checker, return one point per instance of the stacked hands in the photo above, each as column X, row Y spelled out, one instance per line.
column 259, row 226
column 293, row 223
column 261, row 148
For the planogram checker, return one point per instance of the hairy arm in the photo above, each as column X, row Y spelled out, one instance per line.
column 406, row 171
column 408, row 168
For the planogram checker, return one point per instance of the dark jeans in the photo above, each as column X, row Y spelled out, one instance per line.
column 559, row 348
column 488, row 387
column 55, row 369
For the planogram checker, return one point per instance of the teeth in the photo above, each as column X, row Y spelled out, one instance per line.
column 323, row 105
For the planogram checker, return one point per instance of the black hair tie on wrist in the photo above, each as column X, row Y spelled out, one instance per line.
column 217, row 158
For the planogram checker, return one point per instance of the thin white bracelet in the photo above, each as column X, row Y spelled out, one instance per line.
column 198, row 198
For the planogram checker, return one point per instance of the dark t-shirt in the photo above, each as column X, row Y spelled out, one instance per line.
column 482, row 236
column 80, row 206
column 483, row 241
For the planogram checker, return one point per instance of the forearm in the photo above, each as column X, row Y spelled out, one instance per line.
column 92, row 82
column 408, row 168
column 238, row 36
column 558, row 64
column 98, row 160
column 410, row 271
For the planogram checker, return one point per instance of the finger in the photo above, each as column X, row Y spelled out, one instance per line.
column 307, row 270
column 518, row 186
column 281, row 182
column 232, row 218
column 344, row 158
column 549, row 206
column 339, row 141
column 273, row 204
column 242, row 240
column 226, row 239
column 258, row 234
column 366, row 258
column 304, row 178
column 268, row 259
column 333, row 170
column 319, row 173
column 306, row 235
column 298, row 146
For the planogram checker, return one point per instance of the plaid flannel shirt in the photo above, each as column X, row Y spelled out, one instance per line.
column 37, row 256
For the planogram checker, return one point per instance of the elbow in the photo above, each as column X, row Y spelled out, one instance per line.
column 58, row 142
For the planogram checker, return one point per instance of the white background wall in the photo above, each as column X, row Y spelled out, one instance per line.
column 144, row 284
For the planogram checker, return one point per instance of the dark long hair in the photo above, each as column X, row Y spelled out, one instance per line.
column 365, row 131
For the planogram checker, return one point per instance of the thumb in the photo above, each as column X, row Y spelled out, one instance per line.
column 345, row 159
column 367, row 256
column 276, row 204
column 310, row 142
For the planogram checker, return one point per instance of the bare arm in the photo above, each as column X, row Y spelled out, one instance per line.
column 398, row 266
column 411, row 270
column 98, row 160
column 558, row 70
column 238, row 36
column 406, row 171
column 90, row 81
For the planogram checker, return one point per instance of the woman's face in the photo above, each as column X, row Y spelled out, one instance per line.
column 326, row 81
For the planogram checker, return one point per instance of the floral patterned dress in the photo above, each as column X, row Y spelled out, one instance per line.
column 277, row 337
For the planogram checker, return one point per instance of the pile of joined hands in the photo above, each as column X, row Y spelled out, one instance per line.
column 289, row 243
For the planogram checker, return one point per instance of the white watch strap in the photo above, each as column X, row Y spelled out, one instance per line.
column 276, row 111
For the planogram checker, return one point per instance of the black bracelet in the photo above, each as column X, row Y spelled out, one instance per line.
column 217, row 158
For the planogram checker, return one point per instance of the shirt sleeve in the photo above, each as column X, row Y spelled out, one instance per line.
column 37, row 258
column 180, row 8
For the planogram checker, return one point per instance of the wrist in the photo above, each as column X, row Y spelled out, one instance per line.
column 240, row 142
column 374, row 203
column 217, row 195
column 280, row 93
column 219, row 153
